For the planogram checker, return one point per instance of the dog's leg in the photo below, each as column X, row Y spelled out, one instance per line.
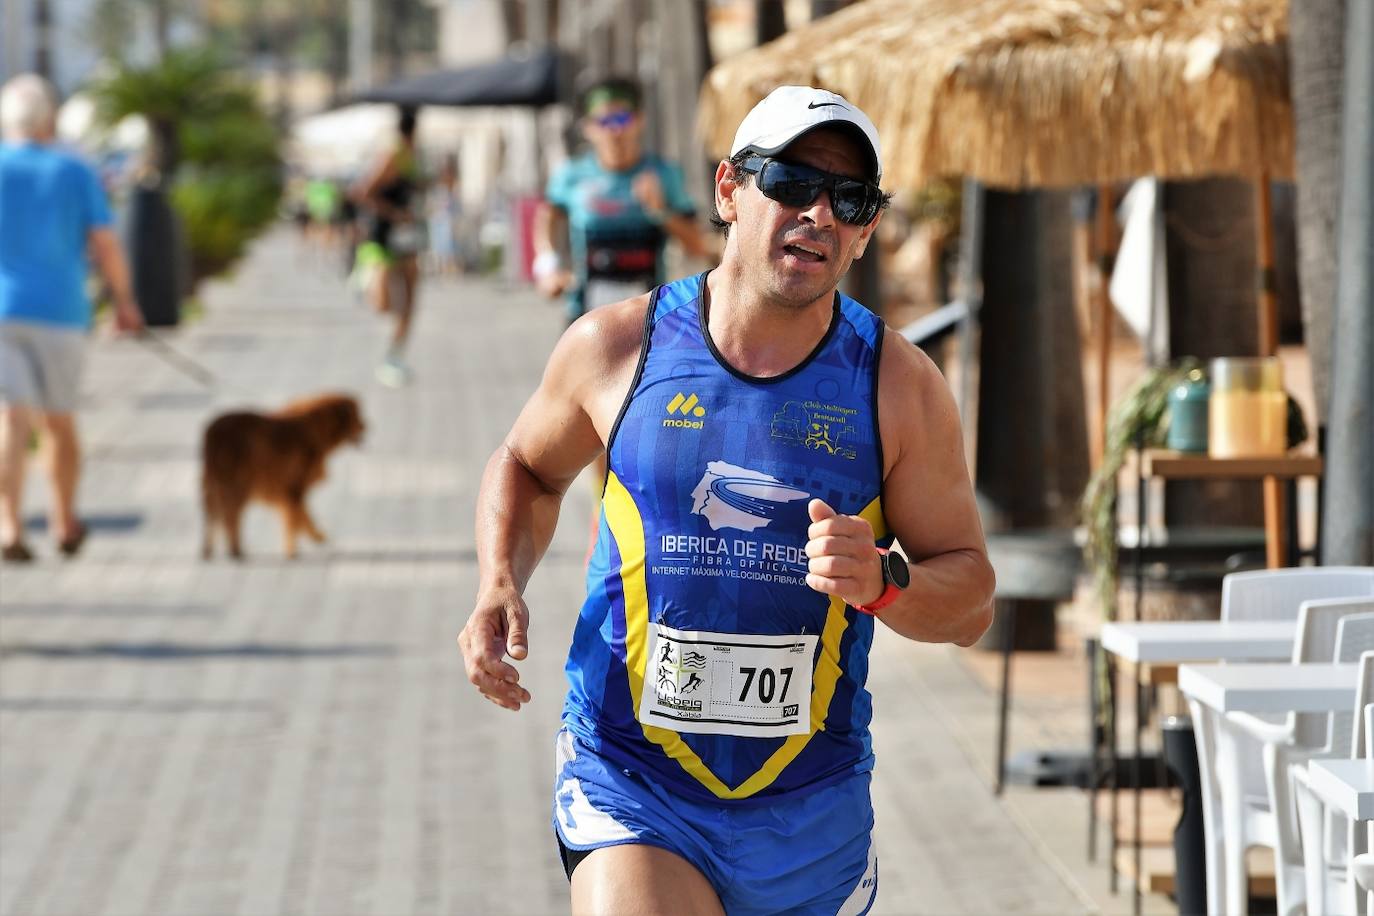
column 308, row 525
column 232, row 515
column 209, row 519
column 294, row 518
column 289, row 529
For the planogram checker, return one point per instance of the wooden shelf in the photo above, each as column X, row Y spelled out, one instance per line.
column 1159, row 814
column 1157, row 864
column 1168, row 465
column 1159, row 811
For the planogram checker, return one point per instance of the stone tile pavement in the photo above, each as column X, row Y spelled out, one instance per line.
column 180, row 737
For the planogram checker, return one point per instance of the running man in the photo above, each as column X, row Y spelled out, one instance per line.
column 731, row 550
column 613, row 208
column 391, row 194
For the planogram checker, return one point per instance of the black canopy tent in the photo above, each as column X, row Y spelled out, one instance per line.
column 522, row 80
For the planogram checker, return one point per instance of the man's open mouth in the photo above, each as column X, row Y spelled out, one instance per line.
column 804, row 252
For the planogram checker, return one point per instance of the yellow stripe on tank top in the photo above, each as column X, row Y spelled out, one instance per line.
column 627, row 527
column 873, row 514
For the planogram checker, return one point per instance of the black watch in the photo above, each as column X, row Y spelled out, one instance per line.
column 896, row 576
column 895, row 570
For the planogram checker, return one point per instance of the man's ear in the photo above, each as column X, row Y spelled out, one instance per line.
column 864, row 237
column 727, row 183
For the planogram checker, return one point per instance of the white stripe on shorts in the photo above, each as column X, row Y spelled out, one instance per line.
column 865, row 891
column 583, row 825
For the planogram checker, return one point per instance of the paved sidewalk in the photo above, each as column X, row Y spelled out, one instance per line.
column 276, row 737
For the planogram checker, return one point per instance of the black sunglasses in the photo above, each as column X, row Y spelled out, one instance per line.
column 794, row 185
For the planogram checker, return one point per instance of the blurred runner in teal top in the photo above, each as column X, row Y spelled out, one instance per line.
column 615, row 207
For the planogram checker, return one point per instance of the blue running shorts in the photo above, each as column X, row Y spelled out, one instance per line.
column 810, row 855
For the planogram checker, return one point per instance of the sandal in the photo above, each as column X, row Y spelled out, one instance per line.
column 71, row 545
column 18, row 552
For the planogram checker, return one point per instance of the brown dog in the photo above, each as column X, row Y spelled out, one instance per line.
column 275, row 458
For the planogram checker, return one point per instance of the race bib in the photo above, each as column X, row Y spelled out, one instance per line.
column 727, row 683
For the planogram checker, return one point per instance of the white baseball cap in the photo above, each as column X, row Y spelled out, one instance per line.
column 790, row 111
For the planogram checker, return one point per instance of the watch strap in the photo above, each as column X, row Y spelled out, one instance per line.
column 888, row 596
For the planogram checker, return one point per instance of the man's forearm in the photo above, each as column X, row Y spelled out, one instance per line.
column 949, row 599
column 550, row 230
column 516, row 517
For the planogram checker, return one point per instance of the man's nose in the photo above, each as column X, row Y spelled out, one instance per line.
column 819, row 212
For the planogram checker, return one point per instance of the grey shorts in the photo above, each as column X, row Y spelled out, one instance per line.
column 40, row 365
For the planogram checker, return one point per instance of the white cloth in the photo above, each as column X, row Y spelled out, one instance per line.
column 1139, row 287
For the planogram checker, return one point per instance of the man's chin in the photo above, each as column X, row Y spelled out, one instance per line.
column 800, row 290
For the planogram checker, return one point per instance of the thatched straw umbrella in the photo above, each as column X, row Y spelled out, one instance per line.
column 1034, row 94
column 1043, row 93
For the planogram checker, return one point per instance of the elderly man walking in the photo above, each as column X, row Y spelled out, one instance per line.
column 767, row 438
column 52, row 213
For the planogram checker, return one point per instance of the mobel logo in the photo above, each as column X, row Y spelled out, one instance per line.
column 682, row 407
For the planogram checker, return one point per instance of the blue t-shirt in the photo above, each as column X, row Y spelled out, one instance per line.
column 49, row 202
column 611, row 235
column 703, row 530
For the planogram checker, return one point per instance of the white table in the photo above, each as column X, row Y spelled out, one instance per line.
column 1173, row 642
column 1262, row 687
column 1347, row 785
column 1163, row 644
column 1271, row 687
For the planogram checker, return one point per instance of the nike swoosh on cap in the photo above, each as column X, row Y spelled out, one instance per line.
column 823, row 104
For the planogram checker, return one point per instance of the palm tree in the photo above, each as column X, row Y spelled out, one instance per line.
column 213, row 150
column 183, row 85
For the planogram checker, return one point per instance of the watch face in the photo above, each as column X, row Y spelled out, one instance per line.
column 895, row 569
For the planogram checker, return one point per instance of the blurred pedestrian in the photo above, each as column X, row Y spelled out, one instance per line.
column 768, row 439
column 613, row 209
column 53, row 211
column 445, row 211
column 392, row 194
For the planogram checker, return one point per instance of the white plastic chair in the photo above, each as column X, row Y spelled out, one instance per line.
column 1274, row 594
column 1362, row 864
column 1329, row 890
column 1270, row 594
column 1266, row 817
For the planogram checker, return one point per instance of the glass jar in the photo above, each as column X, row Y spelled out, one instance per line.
column 1188, row 406
column 1248, row 408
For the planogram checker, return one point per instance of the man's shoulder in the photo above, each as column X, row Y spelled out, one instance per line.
column 611, row 333
column 56, row 154
column 46, row 159
column 578, row 166
column 904, row 362
column 660, row 164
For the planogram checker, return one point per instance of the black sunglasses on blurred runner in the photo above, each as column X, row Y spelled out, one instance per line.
column 794, row 185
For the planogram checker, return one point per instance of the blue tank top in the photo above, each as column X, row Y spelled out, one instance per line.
column 703, row 528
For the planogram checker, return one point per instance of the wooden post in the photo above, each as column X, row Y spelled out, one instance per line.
column 1104, row 320
column 1274, row 501
column 1269, row 310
